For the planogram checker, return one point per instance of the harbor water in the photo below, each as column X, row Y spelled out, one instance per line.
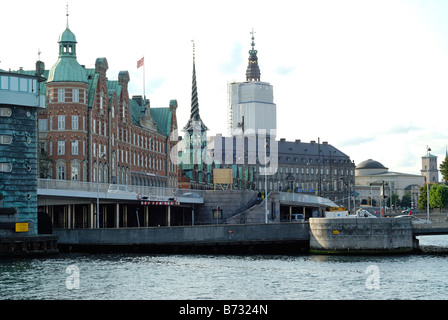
column 174, row 277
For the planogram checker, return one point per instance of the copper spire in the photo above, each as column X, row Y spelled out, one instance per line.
column 195, row 118
column 253, row 71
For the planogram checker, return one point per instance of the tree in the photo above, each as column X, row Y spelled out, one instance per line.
column 444, row 169
column 395, row 201
column 422, row 198
column 406, row 201
column 438, row 196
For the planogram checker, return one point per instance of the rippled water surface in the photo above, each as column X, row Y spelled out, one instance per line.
column 146, row 276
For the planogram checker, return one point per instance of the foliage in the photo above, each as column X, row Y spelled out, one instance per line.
column 396, row 202
column 444, row 169
column 406, row 201
column 438, row 196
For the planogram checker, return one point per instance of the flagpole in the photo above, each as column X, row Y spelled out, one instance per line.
column 144, row 95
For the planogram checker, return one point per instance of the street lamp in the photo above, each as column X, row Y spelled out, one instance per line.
column 103, row 155
column 241, row 125
column 427, row 181
column 265, row 183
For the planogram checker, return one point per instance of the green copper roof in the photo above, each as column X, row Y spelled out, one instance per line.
column 67, row 36
column 67, row 68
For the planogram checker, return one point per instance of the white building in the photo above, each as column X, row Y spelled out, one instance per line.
column 251, row 103
column 371, row 174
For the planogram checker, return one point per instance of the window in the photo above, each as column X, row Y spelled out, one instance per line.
column 75, row 172
column 61, row 172
column 61, row 122
column 51, row 123
column 61, row 147
column 5, row 112
column 23, row 84
column 5, row 139
column 42, row 125
column 113, row 111
column 61, row 95
column 75, row 122
column 5, row 82
column 75, row 147
column 5, row 167
column 14, row 83
column 75, row 95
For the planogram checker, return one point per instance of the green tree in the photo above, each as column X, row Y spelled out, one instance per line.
column 406, row 201
column 444, row 169
column 438, row 196
column 423, row 197
column 395, row 201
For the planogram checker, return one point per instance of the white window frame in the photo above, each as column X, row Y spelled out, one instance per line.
column 75, row 122
column 61, row 122
column 61, row 147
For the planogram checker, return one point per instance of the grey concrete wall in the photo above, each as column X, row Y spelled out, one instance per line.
column 360, row 235
column 187, row 235
column 229, row 201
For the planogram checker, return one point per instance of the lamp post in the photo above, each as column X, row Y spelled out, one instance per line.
column 98, row 187
column 265, row 183
column 427, row 181
column 241, row 125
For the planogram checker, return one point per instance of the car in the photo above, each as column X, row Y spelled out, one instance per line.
column 191, row 195
column 412, row 211
column 414, row 220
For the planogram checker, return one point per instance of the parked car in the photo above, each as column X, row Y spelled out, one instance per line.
column 414, row 219
column 407, row 211
column 191, row 195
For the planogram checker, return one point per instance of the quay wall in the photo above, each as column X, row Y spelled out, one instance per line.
column 276, row 236
column 358, row 235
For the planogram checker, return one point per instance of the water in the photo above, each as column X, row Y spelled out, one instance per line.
column 173, row 277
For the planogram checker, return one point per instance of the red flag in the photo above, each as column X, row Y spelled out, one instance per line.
column 140, row 62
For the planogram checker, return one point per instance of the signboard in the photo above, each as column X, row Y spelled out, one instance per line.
column 222, row 177
column 22, row 227
column 160, row 203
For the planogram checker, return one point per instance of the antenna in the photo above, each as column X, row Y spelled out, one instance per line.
column 66, row 8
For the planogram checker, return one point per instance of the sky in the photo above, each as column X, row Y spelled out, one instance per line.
column 368, row 77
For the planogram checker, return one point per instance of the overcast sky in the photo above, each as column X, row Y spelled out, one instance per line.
column 369, row 77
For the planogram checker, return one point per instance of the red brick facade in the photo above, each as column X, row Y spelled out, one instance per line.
column 84, row 122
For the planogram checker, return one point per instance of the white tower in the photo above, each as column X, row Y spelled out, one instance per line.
column 251, row 103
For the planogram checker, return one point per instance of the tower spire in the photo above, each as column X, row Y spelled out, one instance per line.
column 253, row 70
column 194, row 113
column 66, row 9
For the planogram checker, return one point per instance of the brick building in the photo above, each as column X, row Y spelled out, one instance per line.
column 91, row 130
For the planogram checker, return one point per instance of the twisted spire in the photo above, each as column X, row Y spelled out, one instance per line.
column 195, row 118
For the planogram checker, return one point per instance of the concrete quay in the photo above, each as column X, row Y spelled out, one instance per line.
column 227, row 238
column 358, row 235
column 319, row 236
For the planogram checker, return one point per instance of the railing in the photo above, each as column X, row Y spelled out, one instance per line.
column 145, row 191
column 306, row 198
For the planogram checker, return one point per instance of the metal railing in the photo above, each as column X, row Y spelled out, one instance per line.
column 145, row 191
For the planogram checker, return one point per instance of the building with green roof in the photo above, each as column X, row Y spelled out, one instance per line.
column 92, row 130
